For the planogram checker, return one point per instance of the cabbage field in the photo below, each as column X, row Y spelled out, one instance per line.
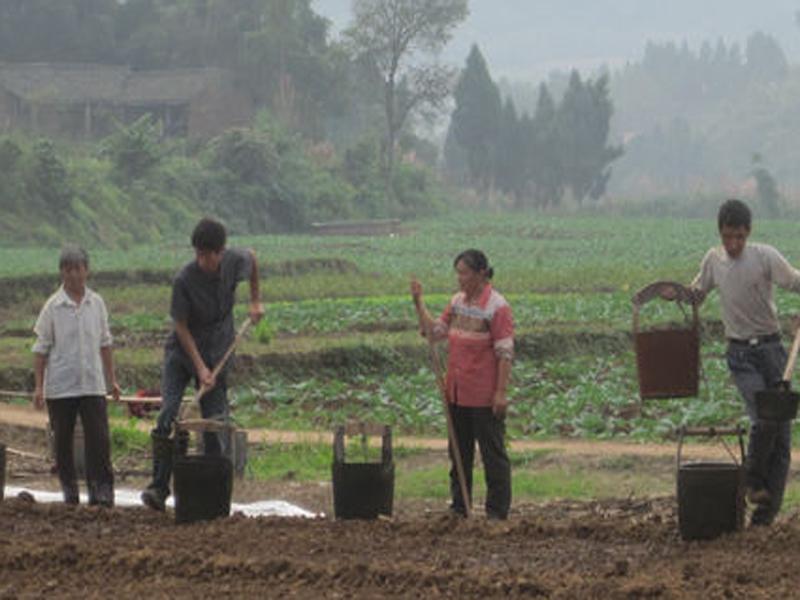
column 340, row 339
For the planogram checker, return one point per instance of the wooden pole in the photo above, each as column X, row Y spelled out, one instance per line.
column 219, row 366
column 440, row 383
column 451, row 432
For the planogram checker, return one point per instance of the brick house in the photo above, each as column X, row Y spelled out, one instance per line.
column 87, row 100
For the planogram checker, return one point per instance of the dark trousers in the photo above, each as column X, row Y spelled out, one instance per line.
column 213, row 405
column 769, row 447
column 473, row 424
column 97, row 447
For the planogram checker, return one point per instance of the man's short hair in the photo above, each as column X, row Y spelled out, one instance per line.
column 209, row 234
column 72, row 255
column 734, row 213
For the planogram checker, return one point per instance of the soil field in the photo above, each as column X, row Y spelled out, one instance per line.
column 613, row 549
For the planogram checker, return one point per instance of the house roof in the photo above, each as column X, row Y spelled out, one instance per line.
column 173, row 85
column 70, row 83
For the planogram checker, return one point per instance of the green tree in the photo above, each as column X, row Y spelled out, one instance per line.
column 583, row 123
column 543, row 156
column 67, row 30
column 400, row 37
column 290, row 67
column 511, row 154
column 48, row 178
column 11, row 195
column 765, row 58
column 134, row 150
column 766, row 187
column 475, row 121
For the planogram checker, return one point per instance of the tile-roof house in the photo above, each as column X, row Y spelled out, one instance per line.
column 86, row 100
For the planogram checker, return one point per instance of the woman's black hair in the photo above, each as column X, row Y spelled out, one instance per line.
column 734, row 213
column 476, row 261
column 209, row 234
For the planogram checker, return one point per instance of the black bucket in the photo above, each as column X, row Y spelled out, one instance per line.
column 710, row 499
column 234, row 444
column 203, row 488
column 362, row 490
column 2, row 470
column 777, row 405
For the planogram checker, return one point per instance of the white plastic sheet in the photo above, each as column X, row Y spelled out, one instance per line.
column 123, row 497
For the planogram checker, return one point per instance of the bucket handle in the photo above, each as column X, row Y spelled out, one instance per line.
column 364, row 429
column 710, row 432
column 681, row 294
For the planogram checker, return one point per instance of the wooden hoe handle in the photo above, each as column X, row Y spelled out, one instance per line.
column 787, row 374
column 440, row 383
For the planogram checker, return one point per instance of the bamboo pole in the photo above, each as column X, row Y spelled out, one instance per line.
column 440, row 383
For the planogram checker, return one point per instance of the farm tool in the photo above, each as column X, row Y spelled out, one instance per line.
column 209, row 424
column 438, row 370
column 780, row 404
column 237, row 440
column 667, row 360
column 204, row 483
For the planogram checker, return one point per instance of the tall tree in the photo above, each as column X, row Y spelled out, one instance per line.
column 510, row 156
column 403, row 37
column 67, row 30
column 545, row 168
column 475, row 121
column 765, row 58
column 766, row 187
column 583, row 124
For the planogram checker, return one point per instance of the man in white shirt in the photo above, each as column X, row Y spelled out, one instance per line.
column 744, row 273
column 73, row 367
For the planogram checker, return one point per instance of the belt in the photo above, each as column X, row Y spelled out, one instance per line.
column 756, row 340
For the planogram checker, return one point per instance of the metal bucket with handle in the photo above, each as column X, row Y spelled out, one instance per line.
column 363, row 490
column 780, row 403
column 710, row 493
column 667, row 360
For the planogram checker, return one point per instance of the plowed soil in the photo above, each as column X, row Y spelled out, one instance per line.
column 623, row 548
column 614, row 549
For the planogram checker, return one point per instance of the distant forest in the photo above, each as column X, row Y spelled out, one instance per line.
column 699, row 121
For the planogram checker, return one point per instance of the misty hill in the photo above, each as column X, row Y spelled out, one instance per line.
column 524, row 39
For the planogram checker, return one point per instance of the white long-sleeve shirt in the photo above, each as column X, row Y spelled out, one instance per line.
column 745, row 287
column 70, row 335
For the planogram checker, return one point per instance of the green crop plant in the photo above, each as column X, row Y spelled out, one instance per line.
column 264, row 331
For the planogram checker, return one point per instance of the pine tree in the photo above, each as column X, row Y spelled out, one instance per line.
column 583, row 124
column 510, row 155
column 544, row 166
column 476, row 119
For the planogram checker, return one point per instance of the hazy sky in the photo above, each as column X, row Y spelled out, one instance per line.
column 524, row 39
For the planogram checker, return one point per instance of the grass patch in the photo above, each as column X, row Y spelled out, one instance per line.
column 791, row 498
column 309, row 461
column 570, row 479
column 529, row 458
column 126, row 439
column 290, row 462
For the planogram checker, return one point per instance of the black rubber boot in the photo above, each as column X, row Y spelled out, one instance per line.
column 156, row 494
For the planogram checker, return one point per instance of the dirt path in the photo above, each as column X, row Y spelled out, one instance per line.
column 26, row 417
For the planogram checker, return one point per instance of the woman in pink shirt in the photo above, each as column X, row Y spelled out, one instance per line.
column 479, row 327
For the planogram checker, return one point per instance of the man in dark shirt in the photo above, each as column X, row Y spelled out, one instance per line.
column 203, row 295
